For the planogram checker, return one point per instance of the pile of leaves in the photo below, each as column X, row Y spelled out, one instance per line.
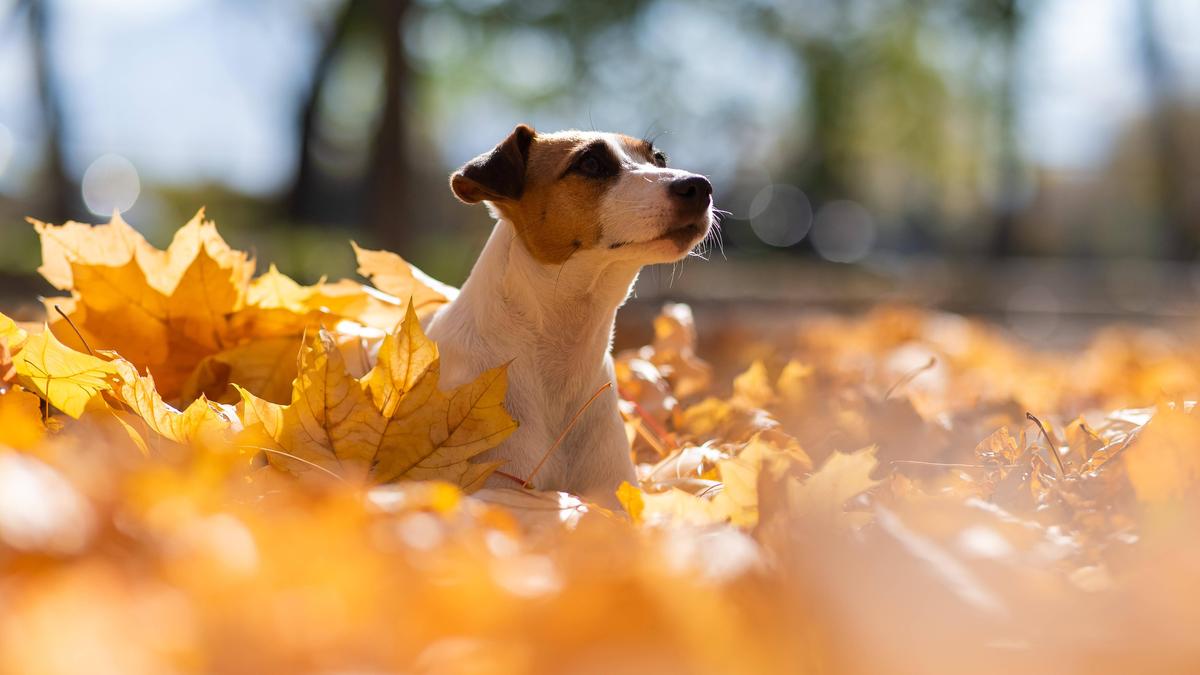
column 206, row 470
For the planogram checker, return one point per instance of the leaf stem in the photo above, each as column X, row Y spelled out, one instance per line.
column 606, row 386
column 1051, row 447
column 910, row 376
column 74, row 328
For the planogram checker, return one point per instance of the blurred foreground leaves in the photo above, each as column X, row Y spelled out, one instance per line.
column 903, row 491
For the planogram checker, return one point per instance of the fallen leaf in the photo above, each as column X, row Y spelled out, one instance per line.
column 11, row 335
column 753, row 388
column 67, row 379
column 265, row 368
column 20, row 419
column 392, row 275
column 748, row 476
column 820, row 499
column 1163, row 463
column 392, row 424
column 198, row 424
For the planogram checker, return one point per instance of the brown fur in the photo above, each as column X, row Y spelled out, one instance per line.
column 552, row 210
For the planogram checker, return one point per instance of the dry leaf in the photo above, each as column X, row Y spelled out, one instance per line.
column 392, row 424
column 200, row 423
column 20, row 420
column 748, row 476
column 66, row 378
column 392, row 275
column 820, row 500
column 1164, row 463
column 753, row 388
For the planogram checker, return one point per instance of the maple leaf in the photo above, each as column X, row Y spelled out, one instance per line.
column 389, row 425
column 11, row 335
column 794, row 383
column 65, row 378
column 820, row 499
column 160, row 309
column 752, row 473
column 393, row 275
column 363, row 304
column 199, row 423
column 265, row 367
column 275, row 290
column 8, row 370
column 20, row 419
column 1163, row 464
column 671, row 507
column 752, row 388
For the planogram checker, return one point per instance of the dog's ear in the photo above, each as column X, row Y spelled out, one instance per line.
column 498, row 174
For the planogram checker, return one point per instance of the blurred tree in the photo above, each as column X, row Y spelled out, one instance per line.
column 60, row 199
column 1181, row 222
column 878, row 110
column 379, row 195
column 1001, row 21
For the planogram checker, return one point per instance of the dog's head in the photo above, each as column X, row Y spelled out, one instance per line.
column 578, row 191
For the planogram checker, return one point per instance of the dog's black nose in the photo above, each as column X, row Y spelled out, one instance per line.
column 693, row 190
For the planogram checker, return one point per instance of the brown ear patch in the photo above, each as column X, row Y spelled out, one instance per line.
column 559, row 212
column 555, row 212
column 498, row 174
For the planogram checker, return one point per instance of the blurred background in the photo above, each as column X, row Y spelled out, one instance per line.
column 1027, row 160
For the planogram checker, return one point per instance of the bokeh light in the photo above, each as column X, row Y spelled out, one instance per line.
column 110, row 183
column 844, row 232
column 1034, row 312
column 780, row 215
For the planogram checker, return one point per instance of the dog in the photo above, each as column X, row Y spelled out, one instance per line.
column 578, row 214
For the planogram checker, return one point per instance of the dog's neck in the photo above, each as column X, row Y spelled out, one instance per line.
column 563, row 314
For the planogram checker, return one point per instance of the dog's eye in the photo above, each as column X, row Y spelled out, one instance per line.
column 660, row 158
column 594, row 164
column 588, row 165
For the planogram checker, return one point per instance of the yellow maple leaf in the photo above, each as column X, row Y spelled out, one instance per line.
column 199, row 423
column 275, row 290
column 113, row 244
column 1163, row 463
column 265, row 367
column 164, row 310
column 20, row 419
column 407, row 369
column 674, row 351
column 794, row 383
column 752, row 388
column 11, row 335
column 67, row 379
column 746, row 476
column 393, row 275
column 355, row 301
column 630, row 498
column 672, row 507
column 820, row 499
column 389, row 425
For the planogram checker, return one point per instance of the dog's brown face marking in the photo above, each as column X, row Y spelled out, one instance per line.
column 553, row 187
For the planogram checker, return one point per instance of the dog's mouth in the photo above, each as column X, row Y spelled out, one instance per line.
column 682, row 235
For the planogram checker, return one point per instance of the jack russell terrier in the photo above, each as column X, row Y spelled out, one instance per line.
column 578, row 215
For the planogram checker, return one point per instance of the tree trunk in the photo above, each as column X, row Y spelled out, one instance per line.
column 305, row 182
column 387, row 181
column 62, row 198
column 1180, row 226
column 1005, row 209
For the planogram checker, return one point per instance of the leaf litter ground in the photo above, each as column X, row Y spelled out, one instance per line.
column 205, row 470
